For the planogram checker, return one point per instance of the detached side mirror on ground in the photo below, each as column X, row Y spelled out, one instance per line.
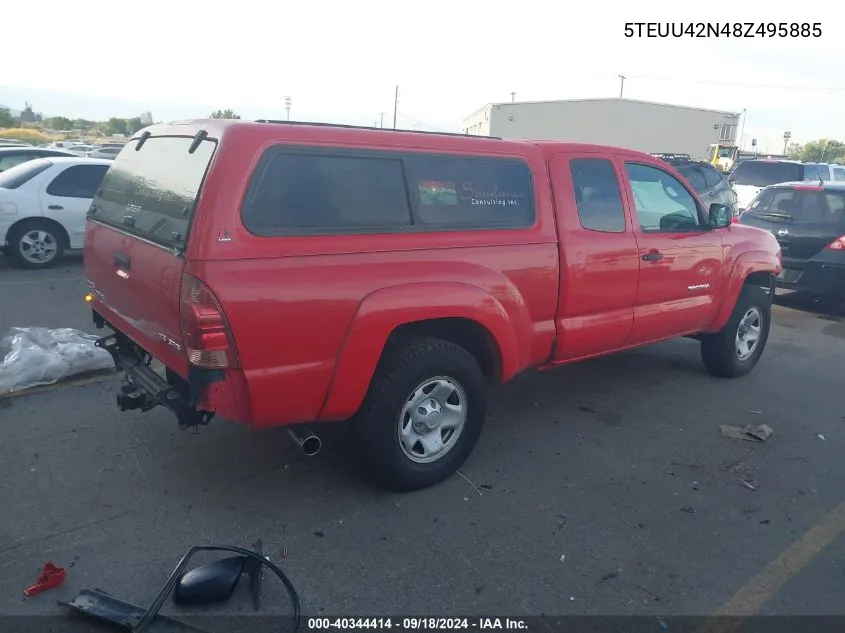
column 719, row 216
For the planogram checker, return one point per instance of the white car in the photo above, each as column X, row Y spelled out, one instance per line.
column 43, row 207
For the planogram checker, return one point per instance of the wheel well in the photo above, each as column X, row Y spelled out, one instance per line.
column 469, row 334
column 38, row 220
column 763, row 279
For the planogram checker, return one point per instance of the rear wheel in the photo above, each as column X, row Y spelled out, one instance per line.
column 422, row 415
column 736, row 349
column 35, row 244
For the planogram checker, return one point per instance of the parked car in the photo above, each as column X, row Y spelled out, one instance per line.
column 752, row 176
column 105, row 152
column 289, row 273
column 710, row 184
column 11, row 156
column 80, row 150
column 808, row 221
column 43, row 203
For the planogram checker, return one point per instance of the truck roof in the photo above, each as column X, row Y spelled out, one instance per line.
column 287, row 130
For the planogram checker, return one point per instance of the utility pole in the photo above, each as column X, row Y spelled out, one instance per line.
column 395, row 106
column 287, row 107
column 742, row 131
column 621, row 85
column 381, row 119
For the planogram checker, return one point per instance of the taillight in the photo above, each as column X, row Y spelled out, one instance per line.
column 205, row 332
column 837, row 245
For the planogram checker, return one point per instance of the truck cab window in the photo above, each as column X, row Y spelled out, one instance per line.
column 597, row 195
column 663, row 204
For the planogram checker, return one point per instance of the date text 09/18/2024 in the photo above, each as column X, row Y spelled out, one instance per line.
column 723, row 29
column 416, row 624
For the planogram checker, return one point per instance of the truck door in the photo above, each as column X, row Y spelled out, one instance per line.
column 680, row 258
column 598, row 253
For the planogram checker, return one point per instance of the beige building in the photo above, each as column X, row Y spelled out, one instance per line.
column 639, row 125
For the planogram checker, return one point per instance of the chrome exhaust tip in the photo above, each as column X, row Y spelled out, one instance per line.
column 307, row 442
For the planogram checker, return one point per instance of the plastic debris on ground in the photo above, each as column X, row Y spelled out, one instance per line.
column 33, row 356
column 759, row 433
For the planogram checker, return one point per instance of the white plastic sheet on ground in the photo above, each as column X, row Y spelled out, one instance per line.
column 35, row 356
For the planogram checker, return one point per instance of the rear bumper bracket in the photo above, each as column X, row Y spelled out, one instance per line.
column 145, row 389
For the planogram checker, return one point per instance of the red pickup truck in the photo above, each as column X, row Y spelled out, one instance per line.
column 285, row 274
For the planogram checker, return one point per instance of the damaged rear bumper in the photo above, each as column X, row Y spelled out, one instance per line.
column 144, row 388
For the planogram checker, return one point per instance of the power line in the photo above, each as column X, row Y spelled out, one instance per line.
column 423, row 123
column 737, row 83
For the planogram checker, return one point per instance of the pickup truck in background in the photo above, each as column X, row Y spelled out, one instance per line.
column 303, row 273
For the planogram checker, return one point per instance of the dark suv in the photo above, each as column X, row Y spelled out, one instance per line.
column 808, row 220
column 710, row 184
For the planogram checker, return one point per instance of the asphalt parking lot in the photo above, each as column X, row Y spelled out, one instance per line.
column 599, row 488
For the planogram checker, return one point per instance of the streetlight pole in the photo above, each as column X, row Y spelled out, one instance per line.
column 742, row 131
column 621, row 85
column 395, row 106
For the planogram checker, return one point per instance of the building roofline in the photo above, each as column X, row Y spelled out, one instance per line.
column 481, row 109
column 655, row 103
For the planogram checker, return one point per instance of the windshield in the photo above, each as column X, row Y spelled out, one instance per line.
column 764, row 173
column 726, row 152
column 14, row 177
column 800, row 206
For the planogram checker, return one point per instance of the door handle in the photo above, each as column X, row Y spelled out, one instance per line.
column 55, row 207
column 122, row 261
column 653, row 257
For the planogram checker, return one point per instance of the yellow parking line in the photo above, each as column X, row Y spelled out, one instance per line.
column 87, row 379
column 762, row 587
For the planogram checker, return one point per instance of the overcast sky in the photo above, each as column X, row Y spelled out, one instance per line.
column 340, row 61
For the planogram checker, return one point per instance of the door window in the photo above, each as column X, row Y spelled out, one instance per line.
column 663, row 204
column 78, row 181
column 597, row 195
column 839, row 173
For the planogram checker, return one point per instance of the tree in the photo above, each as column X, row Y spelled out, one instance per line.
column 116, row 126
column 82, row 124
column 225, row 114
column 822, row 151
column 6, row 118
column 134, row 124
column 794, row 150
column 58, row 123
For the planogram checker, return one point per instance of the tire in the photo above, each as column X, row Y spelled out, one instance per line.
column 407, row 369
column 48, row 238
column 722, row 352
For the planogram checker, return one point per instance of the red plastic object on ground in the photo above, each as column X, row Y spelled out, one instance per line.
column 50, row 577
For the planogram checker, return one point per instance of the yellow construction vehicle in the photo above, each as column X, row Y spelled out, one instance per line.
column 722, row 157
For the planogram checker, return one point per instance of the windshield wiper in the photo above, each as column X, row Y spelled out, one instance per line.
column 779, row 216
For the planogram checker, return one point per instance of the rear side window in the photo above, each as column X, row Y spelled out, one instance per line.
column 10, row 159
column 314, row 191
column 839, row 173
column 823, row 171
column 812, row 173
column 764, row 173
column 597, row 195
column 694, row 177
column 21, row 174
column 152, row 192
column 711, row 176
column 800, row 206
column 77, row 181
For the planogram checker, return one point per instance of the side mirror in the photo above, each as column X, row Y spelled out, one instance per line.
column 719, row 216
column 214, row 582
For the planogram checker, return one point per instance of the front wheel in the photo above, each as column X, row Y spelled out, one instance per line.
column 422, row 415
column 736, row 349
